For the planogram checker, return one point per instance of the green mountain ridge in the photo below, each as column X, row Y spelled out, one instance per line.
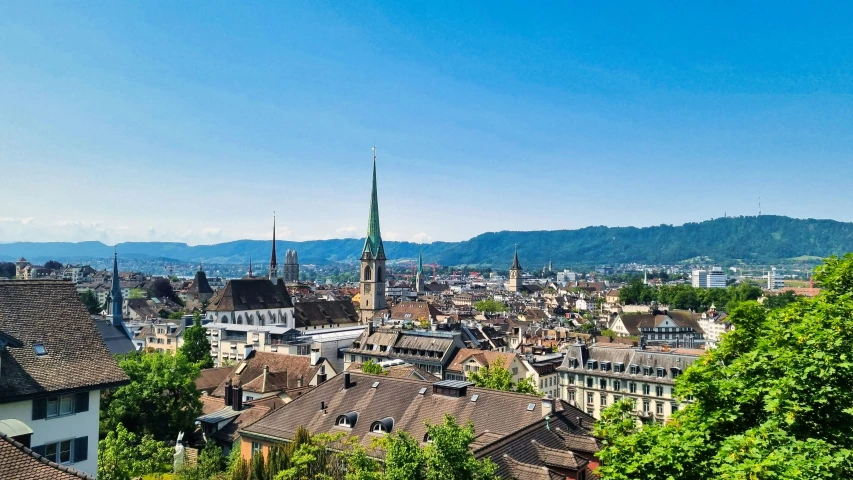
column 750, row 240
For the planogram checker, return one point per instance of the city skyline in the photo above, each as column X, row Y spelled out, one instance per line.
column 193, row 124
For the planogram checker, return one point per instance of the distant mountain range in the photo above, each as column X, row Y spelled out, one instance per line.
column 751, row 240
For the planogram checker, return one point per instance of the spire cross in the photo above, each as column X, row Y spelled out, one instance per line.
column 374, row 152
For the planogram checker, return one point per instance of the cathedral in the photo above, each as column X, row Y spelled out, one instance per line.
column 372, row 275
column 290, row 272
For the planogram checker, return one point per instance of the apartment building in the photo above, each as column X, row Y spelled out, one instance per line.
column 595, row 377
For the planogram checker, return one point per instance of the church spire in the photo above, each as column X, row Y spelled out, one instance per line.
column 373, row 242
column 250, row 265
column 273, row 273
column 115, row 293
column 421, row 262
column 515, row 264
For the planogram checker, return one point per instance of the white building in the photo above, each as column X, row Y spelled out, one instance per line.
column 775, row 280
column 714, row 278
column 53, row 372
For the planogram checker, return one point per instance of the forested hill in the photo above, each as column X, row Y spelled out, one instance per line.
column 764, row 239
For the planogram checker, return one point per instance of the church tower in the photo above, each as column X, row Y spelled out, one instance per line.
column 514, row 284
column 273, row 273
column 115, row 294
column 419, row 279
column 372, row 260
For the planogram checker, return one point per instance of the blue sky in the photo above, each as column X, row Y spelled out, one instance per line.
column 193, row 121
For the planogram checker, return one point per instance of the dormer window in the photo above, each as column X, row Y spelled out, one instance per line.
column 382, row 426
column 347, row 420
column 618, row 367
column 605, row 366
column 590, row 364
column 647, row 371
column 661, row 372
column 635, row 369
column 675, row 372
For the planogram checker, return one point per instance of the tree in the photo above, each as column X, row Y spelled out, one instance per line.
column 161, row 287
column 196, row 344
column 780, row 301
column 490, row 306
column 123, row 455
column 161, row 399
column 90, row 301
column 448, row 454
column 424, row 323
column 7, row 270
column 210, row 463
column 176, row 315
column 771, row 402
column 404, row 458
column 372, row 367
column 53, row 265
column 136, row 293
column 496, row 377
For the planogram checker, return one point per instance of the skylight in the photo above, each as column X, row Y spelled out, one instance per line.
column 474, row 397
column 39, row 349
column 530, row 407
column 422, row 391
column 375, row 384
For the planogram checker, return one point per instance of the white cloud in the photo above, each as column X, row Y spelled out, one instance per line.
column 347, row 232
column 393, row 236
column 421, row 237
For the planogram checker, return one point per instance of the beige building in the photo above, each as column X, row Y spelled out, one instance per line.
column 594, row 378
column 162, row 337
column 468, row 360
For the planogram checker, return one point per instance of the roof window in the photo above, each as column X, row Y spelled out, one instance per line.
column 347, row 420
column 40, row 349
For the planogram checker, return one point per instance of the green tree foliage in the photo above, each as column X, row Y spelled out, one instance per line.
column 176, row 315
column 90, row 301
column 771, row 402
column 196, row 345
column 136, row 293
column 161, row 287
column 684, row 296
column 161, row 399
column 210, row 464
column 490, row 306
column 53, row 265
column 404, row 458
column 781, row 300
column 497, row 377
column 7, row 270
column 123, row 455
column 372, row 367
column 448, row 455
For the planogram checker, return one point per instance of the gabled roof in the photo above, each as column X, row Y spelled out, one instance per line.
column 210, row 378
column 287, row 370
column 494, row 414
column 200, row 284
column 321, row 312
column 18, row 462
column 250, row 294
column 49, row 312
column 413, row 310
column 483, row 357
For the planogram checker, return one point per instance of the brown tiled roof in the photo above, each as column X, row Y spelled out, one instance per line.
column 496, row 412
column 211, row 404
column 251, row 414
column 250, row 294
column 293, row 367
column 400, row 371
column 210, row 378
column 414, row 310
column 484, row 357
column 321, row 312
column 18, row 462
column 48, row 312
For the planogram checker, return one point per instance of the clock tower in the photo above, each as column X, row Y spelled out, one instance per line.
column 514, row 284
column 372, row 273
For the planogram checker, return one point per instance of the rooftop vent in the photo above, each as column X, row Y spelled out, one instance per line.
column 375, row 384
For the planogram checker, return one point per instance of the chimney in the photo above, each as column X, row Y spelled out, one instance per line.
column 370, row 327
column 229, row 395
column 547, row 405
column 299, row 382
column 238, row 399
column 323, row 406
column 347, row 383
column 315, row 356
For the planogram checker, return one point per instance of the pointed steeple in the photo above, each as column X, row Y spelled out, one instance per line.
column 115, row 293
column 515, row 264
column 421, row 262
column 250, row 266
column 373, row 242
column 273, row 273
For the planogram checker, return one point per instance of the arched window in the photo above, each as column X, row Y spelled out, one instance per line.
column 240, row 320
column 250, row 319
column 225, row 319
column 382, row 426
column 378, row 274
column 347, row 420
column 367, row 273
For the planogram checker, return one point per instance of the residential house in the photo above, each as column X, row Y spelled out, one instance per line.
column 672, row 328
column 52, row 373
column 469, row 360
column 19, row 462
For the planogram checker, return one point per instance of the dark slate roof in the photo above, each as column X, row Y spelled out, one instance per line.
column 494, row 414
column 323, row 313
column 250, row 294
column 115, row 337
column 199, row 284
column 18, row 462
column 682, row 318
column 627, row 357
column 48, row 312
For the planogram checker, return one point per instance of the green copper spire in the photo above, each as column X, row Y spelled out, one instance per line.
column 373, row 243
column 421, row 262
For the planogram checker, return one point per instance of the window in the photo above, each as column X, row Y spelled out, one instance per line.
column 603, row 399
column 632, row 387
column 647, row 371
column 646, row 389
column 66, row 405
column 589, row 382
column 617, row 385
column 256, row 448
column 590, row 365
column 572, row 397
column 367, row 274
column 65, row 451
column 646, row 406
column 673, row 407
column 39, row 349
column 659, row 391
column 661, row 372
column 634, row 369
column 515, row 370
column 589, row 398
column 352, row 358
column 602, row 384
column 659, row 408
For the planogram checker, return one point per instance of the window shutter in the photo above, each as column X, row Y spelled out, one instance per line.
column 39, row 409
column 81, row 449
column 39, row 449
column 81, row 402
